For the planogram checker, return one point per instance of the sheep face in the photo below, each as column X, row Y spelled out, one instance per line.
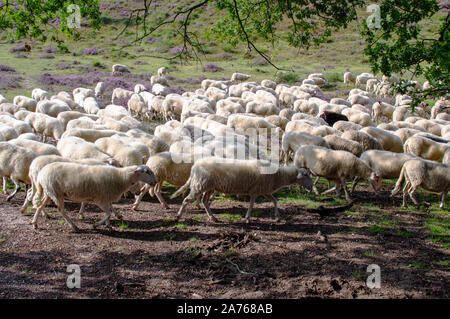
column 376, row 181
column 144, row 174
column 304, row 180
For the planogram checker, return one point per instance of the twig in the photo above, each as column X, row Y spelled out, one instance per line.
column 241, row 271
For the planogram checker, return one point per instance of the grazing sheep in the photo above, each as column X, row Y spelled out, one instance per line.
column 25, row 102
column 76, row 148
column 99, row 90
column 35, row 146
column 262, row 109
column 89, row 135
column 124, row 154
column 309, row 118
column 3, row 99
column 382, row 109
column 65, row 117
column 119, row 95
column 334, row 165
column 155, row 144
column 277, row 120
column 113, row 111
column 345, row 126
column 14, row 164
column 159, row 89
column 292, row 141
column 84, row 122
column 45, row 125
column 52, row 107
column 20, row 127
column 165, row 170
column 389, row 141
column 238, row 177
column 10, row 108
column 100, row 185
column 338, row 143
column 162, row 71
column 425, row 148
column 154, row 79
column 405, row 133
column 120, row 68
column 22, row 114
column 385, row 164
column 90, row 105
column 239, row 77
column 429, row 175
column 349, row 77
column 39, row 95
column 137, row 105
column 367, row 141
column 112, row 124
column 7, row 132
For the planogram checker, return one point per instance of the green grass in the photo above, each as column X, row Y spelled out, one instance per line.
column 368, row 253
column 231, row 217
column 377, row 229
column 438, row 228
column 359, row 274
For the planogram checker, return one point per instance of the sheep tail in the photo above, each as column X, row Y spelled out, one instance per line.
column 399, row 183
column 182, row 189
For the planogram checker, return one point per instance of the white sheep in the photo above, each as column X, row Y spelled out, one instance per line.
column 333, row 165
column 425, row 148
column 125, row 154
column 45, row 125
column 239, row 177
column 349, row 77
column 100, row 185
column 65, row 117
column 39, row 95
column 429, row 175
column 86, row 92
column 165, row 170
column 292, row 141
column 120, row 68
column 20, row 127
column 119, row 95
column 338, row 143
column 136, row 105
column 99, row 89
column 52, row 107
column 25, row 102
column 385, row 164
column 239, row 77
column 389, row 141
column 14, row 164
column 154, row 144
column 7, row 132
column 382, row 109
column 162, row 71
column 367, row 141
column 90, row 105
column 35, row 146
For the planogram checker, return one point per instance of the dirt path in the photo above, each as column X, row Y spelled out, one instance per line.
column 149, row 255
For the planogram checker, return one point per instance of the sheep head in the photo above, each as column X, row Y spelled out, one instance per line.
column 144, row 174
column 303, row 179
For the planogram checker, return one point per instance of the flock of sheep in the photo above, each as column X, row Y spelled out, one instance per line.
column 70, row 147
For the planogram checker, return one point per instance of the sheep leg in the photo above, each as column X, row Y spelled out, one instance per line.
column 27, row 200
column 160, row 197
column 145, row 189
column 105, row 220
column 405, row 193
column 66, row 218
column 81, row 211
column 334, row 188
column 443, row 199
column 344, row 185
column 205, row 201
column 38, row 210
column 250, row 208
column 411, row 192
column 5, row 188
column 17, row 187
column 355, row 182
column 275, row 203
column 189, row 199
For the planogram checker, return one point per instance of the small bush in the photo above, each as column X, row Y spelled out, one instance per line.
column 6, row 68
column 211, row 67
column 286, row 77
